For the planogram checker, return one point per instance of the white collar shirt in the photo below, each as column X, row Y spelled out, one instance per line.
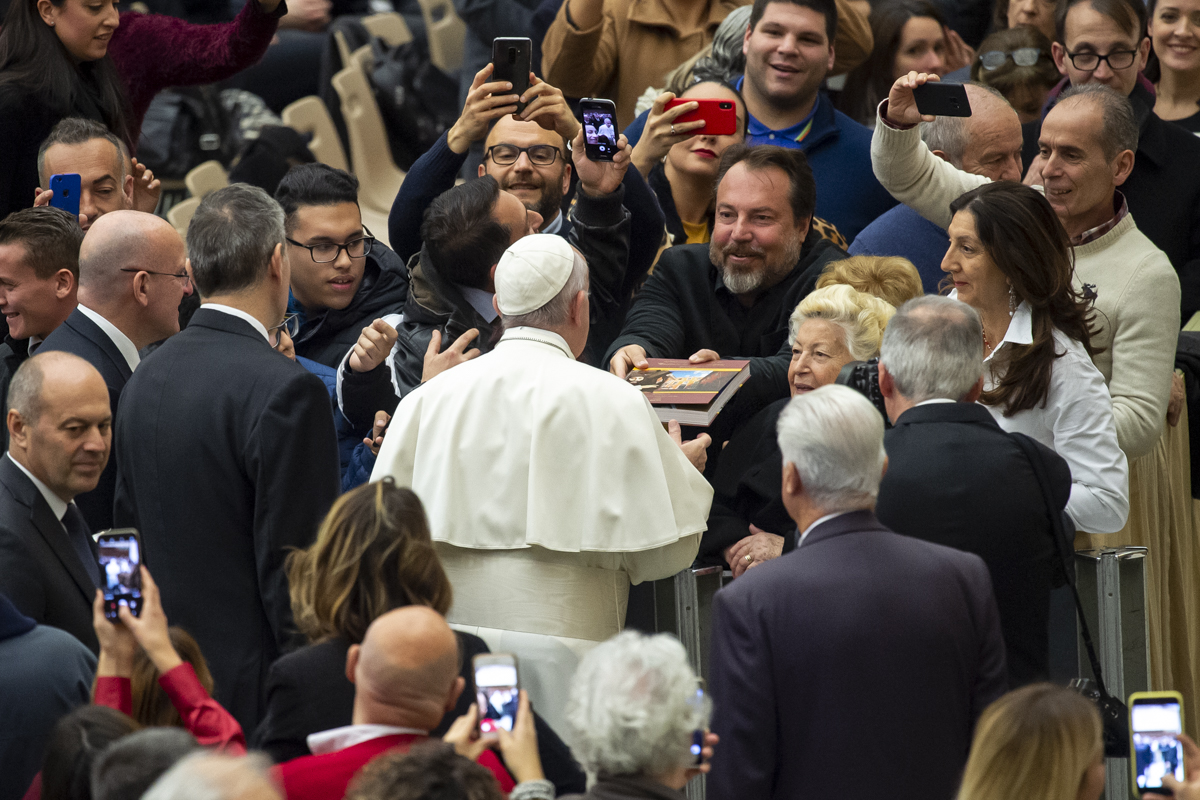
column 335, row 739
column 237, row 312
column 123, row 342
column 823, row 519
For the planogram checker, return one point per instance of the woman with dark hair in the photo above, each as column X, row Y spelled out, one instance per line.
column 80, row 58
column 373, row 553
column 1010, row 260
column 1174, row 66
column 1036, row 14
column 1017, row 63
column 74, row 744
column 909, row 35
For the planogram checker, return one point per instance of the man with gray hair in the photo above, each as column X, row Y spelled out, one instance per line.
column 957, row 478
column 226, row 452
column 986, row 143
column 546, row 477
column 132, row 278
column 859, row 635
column 211, row 775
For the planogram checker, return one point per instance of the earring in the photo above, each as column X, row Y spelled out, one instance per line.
column 1012, row 301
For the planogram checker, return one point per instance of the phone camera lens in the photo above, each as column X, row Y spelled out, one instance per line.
column 726, row 105
column 512, row 55
column 66, row 192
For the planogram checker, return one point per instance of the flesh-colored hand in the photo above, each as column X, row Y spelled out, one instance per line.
column 902, row 106
column 375, row 440
column 696, row 449
column 631, row 356
column 757, row 548
column 373, row 346
column 437, row 362
column 662, row 132
column 464, row 735
column 486, row 102
column 520, row 748
column 146, row 188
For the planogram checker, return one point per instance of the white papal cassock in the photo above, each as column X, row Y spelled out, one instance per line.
column 550, row 486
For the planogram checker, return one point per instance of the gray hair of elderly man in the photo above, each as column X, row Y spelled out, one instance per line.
column 633, row 706
column 216, row 776
column 834, row 438
column 950, row 134
column 933, row 349
column 558, row 309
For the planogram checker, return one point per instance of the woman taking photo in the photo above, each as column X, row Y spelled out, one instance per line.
column 1174, row 66
column 1010, row 260
column 81, row 58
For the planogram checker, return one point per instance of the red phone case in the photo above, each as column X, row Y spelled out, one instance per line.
column 718, row 121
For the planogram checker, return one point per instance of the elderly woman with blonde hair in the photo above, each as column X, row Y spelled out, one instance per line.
column 892, row 279
column 748, row 523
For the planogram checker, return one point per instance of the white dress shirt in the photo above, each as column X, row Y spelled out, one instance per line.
column 825, row 518
column 1076, row 421
column 123, row 343
column 237, row 312
column 56, row 503
column 336, row 739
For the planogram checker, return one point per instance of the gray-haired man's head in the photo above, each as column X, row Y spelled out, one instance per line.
column 933, row 349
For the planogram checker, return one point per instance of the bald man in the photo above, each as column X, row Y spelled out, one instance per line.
column 405, row 676
column 132, row 277
column 60, row 430
column 986, row 143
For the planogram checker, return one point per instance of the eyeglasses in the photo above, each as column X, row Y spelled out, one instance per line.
column 290, row 324
column 183, row 276
column 1023, row 56
column 325, row 252
column 1090, row 62
column 542, row 155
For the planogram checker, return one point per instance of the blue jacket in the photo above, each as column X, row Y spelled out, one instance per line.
column 903, row 232
column 355, row 457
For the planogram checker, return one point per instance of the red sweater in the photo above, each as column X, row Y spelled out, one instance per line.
column 327, row 776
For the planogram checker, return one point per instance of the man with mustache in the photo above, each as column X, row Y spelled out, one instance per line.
column 732, row 298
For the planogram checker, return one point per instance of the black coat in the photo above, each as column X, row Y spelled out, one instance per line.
column 226, row 458
column 955, row 477
column 308, row 692
column 82, row 337
column 855, row 667
column 40, row 571
column 12, row 353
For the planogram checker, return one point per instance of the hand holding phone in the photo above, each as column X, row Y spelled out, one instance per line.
column 1156, row 725
column 599, row 128
column 942, row 100
column 511, row 61
column 719, row 116
column 497, row 691
column 66, row 188
column 120, row 557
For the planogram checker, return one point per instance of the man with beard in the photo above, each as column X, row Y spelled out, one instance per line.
column 732, row 298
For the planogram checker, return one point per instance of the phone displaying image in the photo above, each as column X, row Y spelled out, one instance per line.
column 942, row 99
column 720, row 116
column 66, row 188
column 697, row 746
column 599, row 128
column 1155, row 722
column 120, row 559
column 511, row 58
column 497, row 691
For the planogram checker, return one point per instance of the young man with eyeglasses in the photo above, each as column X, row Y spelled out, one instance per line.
column 1104, row 41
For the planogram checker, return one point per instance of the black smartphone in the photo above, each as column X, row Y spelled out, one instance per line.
column 497, row 690
column 511, row 60
column 942, row 99
column 120, row 562
column 599, row 128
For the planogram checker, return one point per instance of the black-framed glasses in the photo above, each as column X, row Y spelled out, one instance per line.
column 1090, row 62
column 324, row 252
column 1022, row 56
column 290, row 324
column 183, row 276
column 542, row 155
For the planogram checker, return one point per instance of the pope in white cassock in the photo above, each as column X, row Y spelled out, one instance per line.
column 550, row 485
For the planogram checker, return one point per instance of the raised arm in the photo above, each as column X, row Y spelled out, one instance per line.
column 579, row 54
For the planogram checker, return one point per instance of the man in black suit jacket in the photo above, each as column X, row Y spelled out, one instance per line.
column 856, row 665
column 131, row 280
column 59, row 426
column 956, row 478
column 227, row 456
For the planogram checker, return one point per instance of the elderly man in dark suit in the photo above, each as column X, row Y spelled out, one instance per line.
column 956, row 478
column 132, row 278
column 59, row 426
column 856, row 665
column 226, row 452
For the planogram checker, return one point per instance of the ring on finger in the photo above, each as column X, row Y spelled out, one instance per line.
column 748, row 558
column 672, row 128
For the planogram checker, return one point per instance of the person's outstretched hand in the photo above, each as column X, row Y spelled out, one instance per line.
column 373, row 346
column 706, row 753
column 598, row 178
column 150, row 628
column 375, row 440
column 902, row 106
column 520, row 747
column 464, row 735
column 437, row 362
column 117, row 645
column 546, row 106
column 146, row 188
column 1190, row 788
column 662, row 132
column 486, row 102
column 696, row 449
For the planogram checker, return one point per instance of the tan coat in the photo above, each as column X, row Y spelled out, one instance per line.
column 637, row 42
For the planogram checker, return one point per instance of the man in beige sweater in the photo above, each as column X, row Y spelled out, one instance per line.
column 1088, row 142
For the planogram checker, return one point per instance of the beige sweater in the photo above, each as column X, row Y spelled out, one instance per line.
column 1137, row 290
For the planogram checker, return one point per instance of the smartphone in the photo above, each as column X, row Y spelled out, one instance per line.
column 697, row 746
column 599, row 128
column 120, row 560
column 497, row 690
column 942, row 99
column 720, row 116
column 66, row 188
column 1155, row 722
column 511, row 59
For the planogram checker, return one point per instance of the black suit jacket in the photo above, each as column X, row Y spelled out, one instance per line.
column 39, row 568
column 82, row 337
column 226, row 459
column 853, row 667
column 956, row 478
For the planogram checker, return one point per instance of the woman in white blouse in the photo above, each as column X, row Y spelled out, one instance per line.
column 1009, row 259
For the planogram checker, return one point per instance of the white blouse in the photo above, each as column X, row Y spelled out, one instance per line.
column 1076, row 421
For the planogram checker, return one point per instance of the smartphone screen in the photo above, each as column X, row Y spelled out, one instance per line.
column 599, row 128
column 497, row 694
column 120, row 557
column 1156, row 725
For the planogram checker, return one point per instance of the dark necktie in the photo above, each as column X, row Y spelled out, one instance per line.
column 79, row 534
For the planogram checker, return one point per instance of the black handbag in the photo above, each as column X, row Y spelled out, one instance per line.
column 1114, row 714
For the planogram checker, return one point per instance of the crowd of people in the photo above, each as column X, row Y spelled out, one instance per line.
column 354, row 467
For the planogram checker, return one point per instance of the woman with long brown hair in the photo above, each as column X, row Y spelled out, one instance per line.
column 1010, row 260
